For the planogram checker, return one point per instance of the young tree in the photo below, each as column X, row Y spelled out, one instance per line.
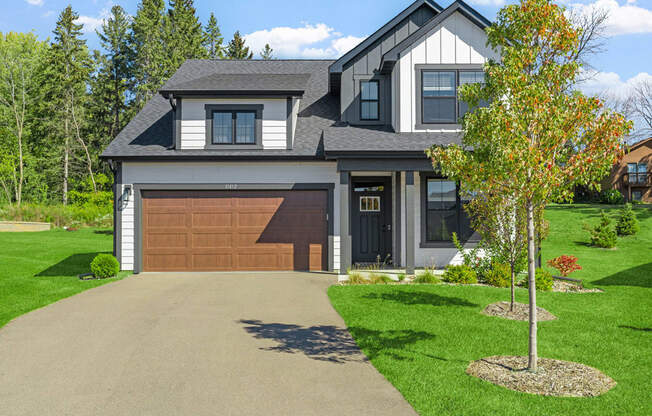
column 19, row 61
column 237, row 49
column 115, row 70
column 184, row 34
column 535, row 141
column 67, row 70
column 213, row 39
column 266, row 53
column 147, row 44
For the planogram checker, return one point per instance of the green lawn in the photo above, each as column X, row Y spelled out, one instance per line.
column 422, row 337
column 39, row 268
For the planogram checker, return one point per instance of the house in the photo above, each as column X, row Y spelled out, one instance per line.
column 631, row 176
column 302, row 164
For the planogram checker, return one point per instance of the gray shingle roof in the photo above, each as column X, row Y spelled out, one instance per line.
column 225, row 83
column 365, row 139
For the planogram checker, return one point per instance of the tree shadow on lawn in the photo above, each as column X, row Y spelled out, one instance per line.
column 640, row 276
column 634, row 328
column 71, row 266
column 330, row 343
column 407, row 297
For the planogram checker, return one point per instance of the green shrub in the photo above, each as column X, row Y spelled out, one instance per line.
column 627, row 222
column 105, row 265
column 543, row 280
column 612, row 197
column 603, row 235
column 427, row 277
column 356, row 278
column 379, row 279
column 460, row 274
column 472, row 258
column 401, row 277
column 500, row 275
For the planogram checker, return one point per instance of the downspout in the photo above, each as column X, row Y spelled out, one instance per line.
column 173, row 104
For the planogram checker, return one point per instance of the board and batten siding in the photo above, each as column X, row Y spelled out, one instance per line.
column 455, row 41
column 222, row 172
column 193, row 121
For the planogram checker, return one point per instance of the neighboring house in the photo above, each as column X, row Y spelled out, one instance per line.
column 632, row 176
column 303, row 164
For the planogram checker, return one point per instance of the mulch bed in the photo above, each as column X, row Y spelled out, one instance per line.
column 553, row 377
column 570, row 287
column 521, row 312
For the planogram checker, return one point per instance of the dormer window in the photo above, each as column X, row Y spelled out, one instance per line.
column 369, row 93
column 233, row 126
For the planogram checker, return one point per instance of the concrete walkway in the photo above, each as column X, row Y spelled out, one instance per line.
column 191, row 344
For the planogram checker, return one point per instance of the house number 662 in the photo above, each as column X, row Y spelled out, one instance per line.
column 231, row 186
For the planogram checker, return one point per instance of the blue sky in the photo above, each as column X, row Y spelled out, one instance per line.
column 325, row 29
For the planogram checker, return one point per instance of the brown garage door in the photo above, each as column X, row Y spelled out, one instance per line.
column 229, row 230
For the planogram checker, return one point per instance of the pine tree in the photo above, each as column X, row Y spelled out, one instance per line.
column 184, row 34
column 147, row 44
column 237, row 48
column 213, row 39
column 67, row 70
column 115, row 70
column 266, row 53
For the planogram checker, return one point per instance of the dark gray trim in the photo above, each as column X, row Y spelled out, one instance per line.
column 345, row 222
column 231, row 94
column 209, row 155
column 458, row 6
column 117, row 213
column 288, row 122
column 140, row 187
column 382, row 165
column 397, row 225
column 177, row 123
column 338, row 65
column 418, row 74
column 409, row 222
column 210, row 108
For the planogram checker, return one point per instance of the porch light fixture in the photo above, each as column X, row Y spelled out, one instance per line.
column 126, row 194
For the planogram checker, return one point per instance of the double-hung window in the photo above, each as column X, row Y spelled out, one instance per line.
column 440, row 102
column 637, row 173
column 369, row 101
column 229, row 125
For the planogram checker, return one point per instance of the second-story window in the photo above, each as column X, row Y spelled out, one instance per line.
column 439, row 94
column 369, row 100
column 234, row 127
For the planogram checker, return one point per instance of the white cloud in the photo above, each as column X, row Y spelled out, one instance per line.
column 611, row 83
column 496, row 3
column 309, row 41
column 48, row 13
column 35, row 2
column 92, row 23
column 623, row 19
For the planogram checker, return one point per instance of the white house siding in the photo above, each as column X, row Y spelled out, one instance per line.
column 223, row 172
column 193, row 121
column 455, row 41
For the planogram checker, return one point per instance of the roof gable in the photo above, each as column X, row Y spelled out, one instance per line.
column 338, row 65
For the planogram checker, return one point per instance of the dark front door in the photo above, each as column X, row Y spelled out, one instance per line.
column 371, row 220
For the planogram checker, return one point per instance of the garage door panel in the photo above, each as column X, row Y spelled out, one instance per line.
column 231, row 230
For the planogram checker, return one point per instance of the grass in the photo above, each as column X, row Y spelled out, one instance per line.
column 39, row 268
column 422, row 337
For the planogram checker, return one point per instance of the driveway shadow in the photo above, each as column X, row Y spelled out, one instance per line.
column 70, row 266
column 331, row 343
column 420, row 298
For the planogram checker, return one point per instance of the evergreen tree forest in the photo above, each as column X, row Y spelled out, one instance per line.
column 62, row 103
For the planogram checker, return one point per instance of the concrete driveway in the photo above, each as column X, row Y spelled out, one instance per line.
column 191, row 344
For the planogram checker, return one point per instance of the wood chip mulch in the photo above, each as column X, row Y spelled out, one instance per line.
column 570, row 287
column 553, row 377
column 521, row 312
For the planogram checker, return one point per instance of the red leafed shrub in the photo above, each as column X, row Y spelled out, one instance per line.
column 565, row 264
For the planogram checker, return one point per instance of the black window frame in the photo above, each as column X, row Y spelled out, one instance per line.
column 420, row 69
column 256, row 109
column 424, row 242
column 377, row 100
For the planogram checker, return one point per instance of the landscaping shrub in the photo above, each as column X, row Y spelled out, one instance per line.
column 612, row 197
column 356, row 278
column 543, row 280
column 460, row 274
column 401, row 277
column 472, row 258
column 105, row 265
column 603, row 235
column 500, row 275
column 379, row 279
column 565, row 264
column 427, row 277
column 627, row 222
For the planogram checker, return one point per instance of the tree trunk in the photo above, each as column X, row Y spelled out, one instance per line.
column 532, row 290
column 66, row 151
column 511, row 305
